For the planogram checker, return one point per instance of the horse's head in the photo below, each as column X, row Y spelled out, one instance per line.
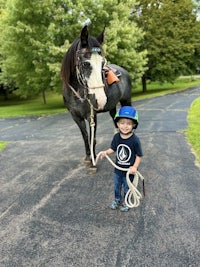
column 89, row 65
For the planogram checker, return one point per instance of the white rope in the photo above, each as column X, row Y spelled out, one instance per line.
column 133, row 196
column 92, row 125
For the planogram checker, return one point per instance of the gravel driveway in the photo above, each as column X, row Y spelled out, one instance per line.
column 54, row 214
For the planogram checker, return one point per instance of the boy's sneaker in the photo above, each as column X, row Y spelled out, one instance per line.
column 123, row 207
column 114, row 205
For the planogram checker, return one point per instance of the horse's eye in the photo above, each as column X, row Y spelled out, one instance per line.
column 86, row 64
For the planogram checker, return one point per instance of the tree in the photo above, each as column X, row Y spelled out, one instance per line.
column 123, row 39
column 26, row 46
column 35, row 36
column 196, row 8
column 193, row 63
column 170, row 37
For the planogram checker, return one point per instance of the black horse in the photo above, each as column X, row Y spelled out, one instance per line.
column 87, row 89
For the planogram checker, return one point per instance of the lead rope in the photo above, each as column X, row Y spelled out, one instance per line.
column 133, row 196
column 92, row 126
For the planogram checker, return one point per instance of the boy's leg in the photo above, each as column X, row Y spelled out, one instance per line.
column 117, row 192
column 117, row 187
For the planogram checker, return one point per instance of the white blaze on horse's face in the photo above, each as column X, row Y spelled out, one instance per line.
column 95, row 82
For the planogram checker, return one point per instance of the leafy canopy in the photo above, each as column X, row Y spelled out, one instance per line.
column 171, row 36
column 36, row 34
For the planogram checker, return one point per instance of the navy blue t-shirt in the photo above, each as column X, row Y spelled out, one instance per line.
column 126, row 151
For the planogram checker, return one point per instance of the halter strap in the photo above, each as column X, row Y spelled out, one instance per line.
column 76, row 93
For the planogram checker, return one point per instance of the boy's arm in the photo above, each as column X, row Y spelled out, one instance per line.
column 135, row 165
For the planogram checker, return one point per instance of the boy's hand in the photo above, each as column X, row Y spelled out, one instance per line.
column 103, row 154
column 133, row 170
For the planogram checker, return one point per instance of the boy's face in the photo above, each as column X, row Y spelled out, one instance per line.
column 125, row 125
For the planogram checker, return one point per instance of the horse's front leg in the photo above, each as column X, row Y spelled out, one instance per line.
column 82, row 126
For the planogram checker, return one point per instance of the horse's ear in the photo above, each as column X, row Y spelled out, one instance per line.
column 84, row 37
column 100, row 38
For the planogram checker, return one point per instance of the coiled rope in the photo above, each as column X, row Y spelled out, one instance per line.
column 133, row 196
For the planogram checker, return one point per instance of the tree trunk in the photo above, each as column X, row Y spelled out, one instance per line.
column 144, row 84
column 44, row 97
column 6, row 93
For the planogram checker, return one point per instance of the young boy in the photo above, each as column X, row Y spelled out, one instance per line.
column 128, row 153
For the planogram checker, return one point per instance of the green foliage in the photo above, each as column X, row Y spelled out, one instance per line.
column 194, row 61
column 123, row 38
column 26, row 46
column 35, row 36
column 171, row 37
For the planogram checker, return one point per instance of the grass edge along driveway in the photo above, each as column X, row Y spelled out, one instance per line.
column 193, row 130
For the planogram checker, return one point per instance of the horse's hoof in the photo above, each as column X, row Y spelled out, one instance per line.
column 92, row 169
column 87, row 161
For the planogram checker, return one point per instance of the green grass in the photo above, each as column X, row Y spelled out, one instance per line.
column 193, row 131
column 3, row 145
column 17, row 107
column 157, row 89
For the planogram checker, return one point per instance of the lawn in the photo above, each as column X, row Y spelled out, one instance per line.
column 17, row 107
column 193, row 131
column 157, row 89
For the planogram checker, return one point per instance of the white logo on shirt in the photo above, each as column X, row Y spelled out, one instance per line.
column 123, row 153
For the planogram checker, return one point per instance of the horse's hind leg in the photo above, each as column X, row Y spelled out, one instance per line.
column 126, row 102
column 82, row 126
column 112, row 114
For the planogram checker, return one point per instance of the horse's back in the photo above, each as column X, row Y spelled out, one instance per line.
column 124, row 84
column 119, row 69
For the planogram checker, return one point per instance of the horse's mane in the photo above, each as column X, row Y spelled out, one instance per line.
column 68, row 63
column 68, row 68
